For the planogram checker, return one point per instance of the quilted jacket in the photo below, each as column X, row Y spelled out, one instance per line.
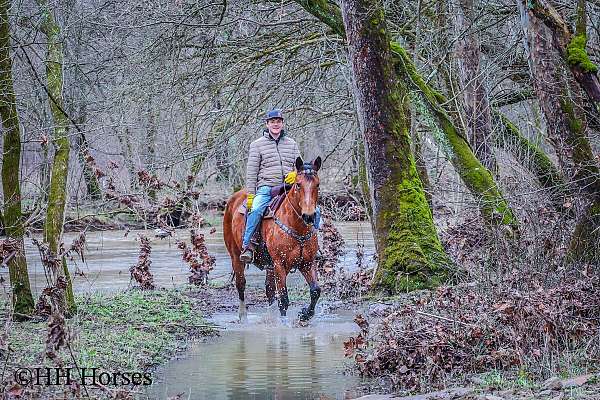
column 269, row 160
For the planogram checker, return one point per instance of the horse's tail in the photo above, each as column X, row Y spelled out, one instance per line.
column 228, row 228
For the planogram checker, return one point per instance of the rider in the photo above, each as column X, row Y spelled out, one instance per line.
column 271, row 161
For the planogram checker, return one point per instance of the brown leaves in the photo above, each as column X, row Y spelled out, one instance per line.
column 16, row 391
column 362, row 323
column 9, row 248
column 149, row 181
column 78, row 247
column 470, row 329
column 197, row 257
column 141, row 271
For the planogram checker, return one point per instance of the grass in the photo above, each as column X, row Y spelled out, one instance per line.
column 127, row 331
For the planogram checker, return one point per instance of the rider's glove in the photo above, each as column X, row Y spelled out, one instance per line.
column 290, row 178
column 249, row 201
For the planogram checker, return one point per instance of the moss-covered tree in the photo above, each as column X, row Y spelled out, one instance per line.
column 561, row 102
column 57, row 196
column 11, row 159
column 572, row 47
column 410, row 255
column 476, row 177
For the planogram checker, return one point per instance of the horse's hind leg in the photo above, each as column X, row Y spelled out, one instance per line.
column 240, row 284
column 270, row 285
column 280, row 279
column 310, row 274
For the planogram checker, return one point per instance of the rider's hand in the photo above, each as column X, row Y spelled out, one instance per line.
column 249, row 201
column 290, row 178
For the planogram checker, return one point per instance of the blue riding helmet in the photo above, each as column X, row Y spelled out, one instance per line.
column 274, row 113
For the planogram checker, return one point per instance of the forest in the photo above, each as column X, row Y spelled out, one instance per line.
column 458, row 148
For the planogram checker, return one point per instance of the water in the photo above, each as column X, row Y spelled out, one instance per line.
column 261, row 359
column 264, row 359
column 110, row 254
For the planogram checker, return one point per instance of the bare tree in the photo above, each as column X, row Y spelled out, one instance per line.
column 11, row 165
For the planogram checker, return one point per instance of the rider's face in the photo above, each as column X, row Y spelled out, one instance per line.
column 275, row 125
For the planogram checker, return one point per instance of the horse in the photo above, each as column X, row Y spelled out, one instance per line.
column 290, row 238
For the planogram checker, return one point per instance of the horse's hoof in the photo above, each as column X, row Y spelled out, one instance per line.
column 305, row 314
column 285, row 321
column 243, row 313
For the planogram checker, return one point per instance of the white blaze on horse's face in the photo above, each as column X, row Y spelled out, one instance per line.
column 307, row 184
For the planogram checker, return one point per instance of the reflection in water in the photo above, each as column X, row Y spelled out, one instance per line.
column 265, row 361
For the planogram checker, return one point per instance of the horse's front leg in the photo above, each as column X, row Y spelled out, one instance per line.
column 240, row 284
column 310, row 274
column 280, row 280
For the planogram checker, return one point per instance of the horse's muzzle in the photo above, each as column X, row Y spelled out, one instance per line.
column 308, row 219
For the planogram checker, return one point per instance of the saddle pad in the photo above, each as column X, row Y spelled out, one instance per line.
column 278, row 194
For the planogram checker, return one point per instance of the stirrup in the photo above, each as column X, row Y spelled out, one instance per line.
column 247, row 255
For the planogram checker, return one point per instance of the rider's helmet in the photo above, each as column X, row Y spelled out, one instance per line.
column 274, row 113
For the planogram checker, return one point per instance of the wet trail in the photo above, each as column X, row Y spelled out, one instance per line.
column 261, row 359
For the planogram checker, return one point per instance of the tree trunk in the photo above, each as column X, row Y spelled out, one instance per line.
column 478, row 180
column 560, row 101
column 475, row 101
column 410, row 255
column 22, row 298
column 127, row 154
column 150, row 158
column 91, row 180
column 57, row 197
column 572, row 48
column 529, row 155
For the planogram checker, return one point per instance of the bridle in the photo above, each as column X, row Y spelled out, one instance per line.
column 295, row 187
column 301, row 239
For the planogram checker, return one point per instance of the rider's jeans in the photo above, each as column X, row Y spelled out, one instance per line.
column 260, row 202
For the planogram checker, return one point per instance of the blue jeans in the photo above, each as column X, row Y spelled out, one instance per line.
column 260, row 202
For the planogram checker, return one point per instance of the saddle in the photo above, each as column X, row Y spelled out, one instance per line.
column 262, row 258
column 277, row 195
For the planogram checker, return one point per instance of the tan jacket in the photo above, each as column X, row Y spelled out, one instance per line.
column 269, row 160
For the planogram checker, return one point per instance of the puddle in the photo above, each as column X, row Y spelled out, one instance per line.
column 263, row 359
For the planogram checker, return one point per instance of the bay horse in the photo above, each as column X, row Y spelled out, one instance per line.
column 290, row 237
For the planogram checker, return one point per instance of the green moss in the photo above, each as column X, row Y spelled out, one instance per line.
column 578, row 56
column 413, row 257
column 476, row 177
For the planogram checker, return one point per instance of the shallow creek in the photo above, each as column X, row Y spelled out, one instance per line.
column 261, row 359
column 110, row 254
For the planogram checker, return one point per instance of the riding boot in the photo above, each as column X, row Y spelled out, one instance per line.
column 247, row 255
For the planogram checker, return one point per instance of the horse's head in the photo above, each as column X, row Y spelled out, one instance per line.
column 306, row 188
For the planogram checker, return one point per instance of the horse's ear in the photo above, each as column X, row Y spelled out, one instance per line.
column 317, row 163
column 299, row 164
